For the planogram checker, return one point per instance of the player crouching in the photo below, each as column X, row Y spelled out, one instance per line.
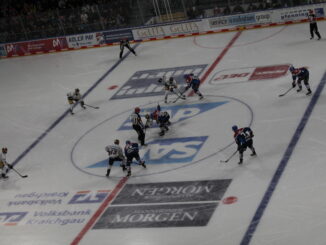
column 115, row 154
column 131, row 152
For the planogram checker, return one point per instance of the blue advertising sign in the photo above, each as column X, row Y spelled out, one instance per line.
column 242, row 19
column 177, row 113
column 145, row 83
column 113, row 36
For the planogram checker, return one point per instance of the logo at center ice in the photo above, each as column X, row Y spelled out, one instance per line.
column 178, row 113
column 11, row 218
column 162, row 151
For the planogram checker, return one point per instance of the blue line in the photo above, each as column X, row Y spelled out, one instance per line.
column 56, row 122
column 284, row 161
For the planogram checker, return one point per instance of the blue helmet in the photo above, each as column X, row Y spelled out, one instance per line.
column 234, row 127
column 291, row 68
column 128, row 142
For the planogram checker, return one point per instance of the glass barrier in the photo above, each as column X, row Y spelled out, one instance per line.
column 18, row 24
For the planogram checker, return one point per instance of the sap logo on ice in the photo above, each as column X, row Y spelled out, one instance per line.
column 89, row 197
column 144, row 83
column 178, row 113
column 176, row 150
column 11, row 218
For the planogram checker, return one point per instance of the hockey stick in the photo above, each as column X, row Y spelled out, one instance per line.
column 280, row 95
column 179, row 97
column 94, row 107
column 23, row 176
column 225, row 161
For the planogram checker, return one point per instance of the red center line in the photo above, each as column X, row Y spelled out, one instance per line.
column 100, row 210
column 218, row 59
column 122, row 182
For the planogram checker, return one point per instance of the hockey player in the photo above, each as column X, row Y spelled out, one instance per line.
column 138, row 125
column 125, row 43
column 3, row 163
column 131, row 152
column 115, row 154
column 313, row 24
column 193, row 82
column 163, row 121
column 151, row 117
column 299, row 75
column 243, row 138
column 170, row 86
column 74, row 98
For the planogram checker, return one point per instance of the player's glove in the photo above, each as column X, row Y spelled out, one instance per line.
column 293, row 84
column 9, row 166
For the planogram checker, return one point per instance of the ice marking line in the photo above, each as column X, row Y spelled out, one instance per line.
column 218, row 59
column 100, row 210
column 281, row 167
column 56, row 122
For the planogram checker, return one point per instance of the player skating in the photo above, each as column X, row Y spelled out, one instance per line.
column 243, row 138
column 115, row 154
column 299, row 75
column 313, row 25
column 170, row 87
column 125, row 43
column 4, row 166
column 131, row 152
column 74, row 98
column 194, row 83
column 137, row 125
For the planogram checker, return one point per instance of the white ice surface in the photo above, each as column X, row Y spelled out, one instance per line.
column 33, row 95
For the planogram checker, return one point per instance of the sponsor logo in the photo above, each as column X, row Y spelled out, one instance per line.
column 11, row 218
column 184, row 28
column 242, row 19
column 144, row 83
column 116, row 35
column 178, row 113
column 151, row 32
column 177, row 215
column 177, row 150
column 319, row 12
column 83, row 197
column 263, row 17
column 56, row 43
column 294, row 14
column 167, row 151
column 165, row 192
column 194, row 202
column 218, row 22
column 10, row 48
column 56, row 217
column 249, row 74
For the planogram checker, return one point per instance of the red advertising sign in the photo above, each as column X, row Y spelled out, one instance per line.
column 35, row 47
column 269, row 72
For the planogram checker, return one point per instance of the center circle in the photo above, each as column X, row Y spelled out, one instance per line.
column 79, row 147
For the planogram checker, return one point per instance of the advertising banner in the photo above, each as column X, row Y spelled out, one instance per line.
column 116, row 35
column 34, row 47
column 85, row 40
column 168, row 30
column 144, row 83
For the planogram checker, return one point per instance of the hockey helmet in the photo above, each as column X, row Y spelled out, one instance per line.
column 77, row 90
column 291, row 68
column 171, row 79
column 4, row 150
column 116, row 141
column 128, row 142
column 137, row 110
column 234, row 128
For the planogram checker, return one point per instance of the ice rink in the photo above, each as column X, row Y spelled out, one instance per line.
column 186, row 195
